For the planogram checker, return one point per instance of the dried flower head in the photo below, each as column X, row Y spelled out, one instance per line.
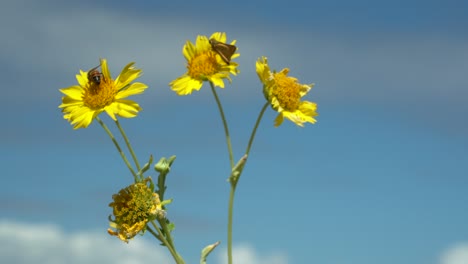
column 133, row 207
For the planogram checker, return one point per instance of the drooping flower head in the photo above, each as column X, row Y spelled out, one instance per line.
column 204, row 64
column 82, row 103
column 284, row 94
column 133, row 207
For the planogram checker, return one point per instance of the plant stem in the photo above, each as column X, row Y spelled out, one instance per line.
column 226, row 129
column 234, row 185
column 230, row 219
column 166, row 231
column 254, row 131
column 129, row 146
column 122, row 154
column 161, row 237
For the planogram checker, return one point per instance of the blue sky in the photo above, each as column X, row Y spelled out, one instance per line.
column 381, row 178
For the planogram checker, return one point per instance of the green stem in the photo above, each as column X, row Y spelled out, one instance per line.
column 161, row 237
column 166, row 231
column 122, row 154
column 230, row 217
column 154, row 233
column 254, row 131
column 226, row 129
column 129, row 146
column 234, row 185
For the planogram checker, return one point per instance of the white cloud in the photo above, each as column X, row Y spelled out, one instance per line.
column 246, row 254
column 48, row 244
column 457, row 254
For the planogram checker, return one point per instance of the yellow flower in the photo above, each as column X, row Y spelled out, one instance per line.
column 133, row 207
column 284, row 94
column 204, row 64
column 85, row 101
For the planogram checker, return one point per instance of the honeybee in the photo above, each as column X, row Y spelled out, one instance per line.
column 94, row 75
column 224, row 50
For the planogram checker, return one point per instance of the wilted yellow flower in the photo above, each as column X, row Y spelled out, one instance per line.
column 85, row 101
column 284, row 94
column 133, row 207
column 204, row 64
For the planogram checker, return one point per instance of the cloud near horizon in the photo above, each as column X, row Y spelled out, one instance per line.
column 24, row 243
column 456, row 254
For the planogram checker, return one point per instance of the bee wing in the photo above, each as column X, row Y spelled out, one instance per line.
column 94, row 68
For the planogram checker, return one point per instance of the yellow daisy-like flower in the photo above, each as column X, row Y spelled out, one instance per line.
column 204, row 64
column 133, row 207
column 85, row 101
column 284, row 94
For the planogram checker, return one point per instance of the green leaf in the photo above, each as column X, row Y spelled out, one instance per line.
column 206, row 251
column 237, row 170
column 170, row 226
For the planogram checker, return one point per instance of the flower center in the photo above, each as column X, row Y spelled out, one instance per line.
column 203, row 65
column 98, row 96
column 134, row 204
column 287, row 91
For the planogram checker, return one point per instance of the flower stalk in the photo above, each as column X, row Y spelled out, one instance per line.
column 225, row 125
column 140, row 206
column 119, row 149
column 234, row 179
column 129, row 146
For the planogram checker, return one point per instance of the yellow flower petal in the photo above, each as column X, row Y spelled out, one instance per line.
column 188, row 50
column 132, row 89
column 127, row 75
column 105, row 69
column 184, row 85
column 204, row 64
column 278, row 120
column 284, row 93
column 73, row 92
column 218, row 82
column 202, row 44
column 126, row 108
column 82, row 103
column 82, row 78
column 111, row 111
column 219, row 36
column 81, row 118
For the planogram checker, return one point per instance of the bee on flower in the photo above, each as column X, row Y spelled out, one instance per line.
column 97, row 92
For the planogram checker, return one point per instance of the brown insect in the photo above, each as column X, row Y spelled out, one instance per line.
column 224, row 50
column 94, row 75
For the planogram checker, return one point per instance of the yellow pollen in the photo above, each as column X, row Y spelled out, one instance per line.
column 287, row 91
column 204, row 64
column 98, row 96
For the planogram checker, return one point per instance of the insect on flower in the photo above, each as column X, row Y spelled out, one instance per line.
column 94, row 75
column 224, row 50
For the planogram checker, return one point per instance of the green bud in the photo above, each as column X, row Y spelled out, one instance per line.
column 206, row 251
column 164, row 165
